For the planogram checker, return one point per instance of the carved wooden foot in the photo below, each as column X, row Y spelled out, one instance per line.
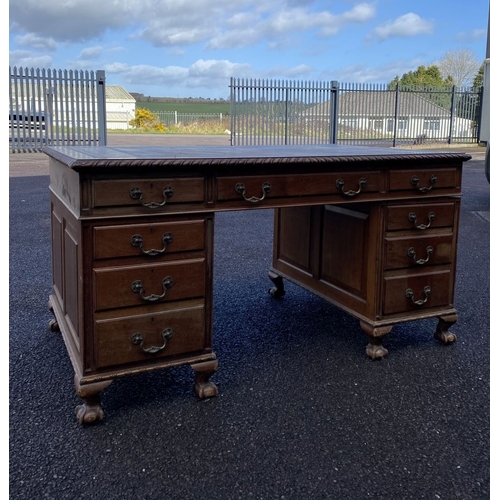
column 375, row 349
column 279, row 289
column 90, row 411
column 202, row 386
column 442, row 334
column 53, row 324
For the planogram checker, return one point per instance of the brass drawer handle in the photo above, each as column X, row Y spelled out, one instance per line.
column 240, row 189
column 412, row 217
column 340, row 185
column 136, row 194
column 409, row 295
column 412, row 254
column 137, row 287
column 416, row 182
column 137, row 241
column 138, row 339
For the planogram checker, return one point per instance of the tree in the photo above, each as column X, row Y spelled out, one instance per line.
column 460, row 66
column 479, row 78
column 429, row 76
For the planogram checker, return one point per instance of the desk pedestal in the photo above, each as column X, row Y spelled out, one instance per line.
column 383, row 263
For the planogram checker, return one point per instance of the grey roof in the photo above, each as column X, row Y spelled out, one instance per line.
column 23, row 89
column 117, row 92
column 382, row 103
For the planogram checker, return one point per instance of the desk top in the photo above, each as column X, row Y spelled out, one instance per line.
column 78, row 157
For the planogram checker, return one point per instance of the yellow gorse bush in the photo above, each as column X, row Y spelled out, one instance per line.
column 146, row 119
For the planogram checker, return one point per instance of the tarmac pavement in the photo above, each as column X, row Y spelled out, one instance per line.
column 302, row 413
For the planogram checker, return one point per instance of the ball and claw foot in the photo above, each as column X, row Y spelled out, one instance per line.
column 279, row 289
column 54, row 326
column 442, row 334
column 87, row 414
column 202, row 385
column 376, row 351
column 206, row 390
column 90, row 411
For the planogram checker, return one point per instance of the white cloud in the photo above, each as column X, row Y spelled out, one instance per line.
column 168, row 23
column 359, row 14
column 278, row 25
column 407, row 25
column 74, row 20
column 91, row 52
column 26, row 59
column 36, row 42
column 203, row 73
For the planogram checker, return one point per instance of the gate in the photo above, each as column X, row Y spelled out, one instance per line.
column 272, row 112
column 265, row 112
column 56, row 107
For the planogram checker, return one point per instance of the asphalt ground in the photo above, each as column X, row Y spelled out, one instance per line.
column 302, row 413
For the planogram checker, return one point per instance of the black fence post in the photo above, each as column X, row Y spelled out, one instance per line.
column 452, row 114
column 101, row 107
column 334, row 111
column 396, row 114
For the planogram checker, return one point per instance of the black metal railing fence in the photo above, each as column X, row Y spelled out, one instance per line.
column 290, row 112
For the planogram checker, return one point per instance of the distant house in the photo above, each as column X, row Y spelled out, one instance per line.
column 374, row 112
column 120, row 108
column 72, row 104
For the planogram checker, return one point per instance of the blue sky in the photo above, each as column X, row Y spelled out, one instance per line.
column 191, row 48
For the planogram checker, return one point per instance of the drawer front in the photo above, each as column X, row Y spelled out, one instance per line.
column 149, row 240
column 424, row 181
column 152, row 193
column 415, row 292
column 254, row 189
column 419, row 252
column 420, row 216
column 139, row 285
column 148, row 337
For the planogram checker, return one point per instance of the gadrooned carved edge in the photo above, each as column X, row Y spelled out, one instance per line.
column 235, row 161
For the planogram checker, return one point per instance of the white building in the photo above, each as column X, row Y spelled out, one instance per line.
column 70, row 105
column 120, row 108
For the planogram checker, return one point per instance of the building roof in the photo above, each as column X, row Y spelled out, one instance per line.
column 37, row 92
column 117, row 92
column 382, row 103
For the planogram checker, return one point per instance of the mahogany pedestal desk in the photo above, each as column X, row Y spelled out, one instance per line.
column 372, row 230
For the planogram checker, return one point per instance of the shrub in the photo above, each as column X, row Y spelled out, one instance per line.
column 146, row 119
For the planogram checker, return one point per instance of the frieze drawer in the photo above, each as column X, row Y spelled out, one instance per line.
column 415, row 292
column 152, row 193
column 139, row 285
column 425, row 181
column 148, row 240
column 148, row 337
column 258, row 188
column 420, row 216
column 423, row 251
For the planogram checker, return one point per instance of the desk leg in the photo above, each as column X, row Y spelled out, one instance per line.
column 202, row 386
column 279, row 289
column 90, row 411
column 375, row 349
column 442, row 334
column 53, row 324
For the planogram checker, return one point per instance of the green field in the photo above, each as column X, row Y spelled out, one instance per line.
column 186, row 107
